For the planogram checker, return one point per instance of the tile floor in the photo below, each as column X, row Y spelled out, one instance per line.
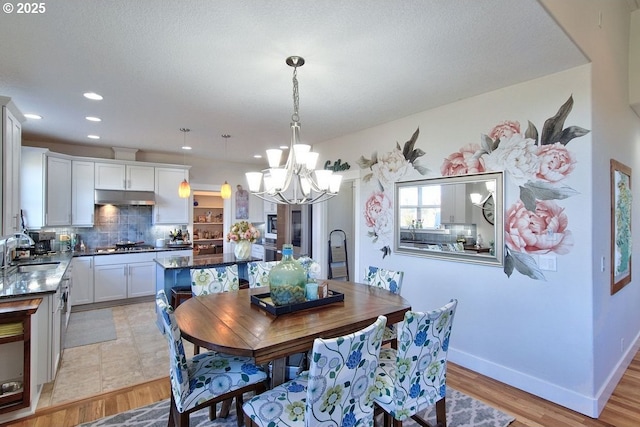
column 138, row 354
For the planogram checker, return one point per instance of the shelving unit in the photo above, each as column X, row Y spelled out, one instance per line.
column 208, row 228
column 15, row 342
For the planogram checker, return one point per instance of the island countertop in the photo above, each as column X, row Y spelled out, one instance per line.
column 200, row 261
column 16, row 284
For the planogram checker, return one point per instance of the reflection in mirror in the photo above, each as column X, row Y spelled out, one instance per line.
column 456, row 218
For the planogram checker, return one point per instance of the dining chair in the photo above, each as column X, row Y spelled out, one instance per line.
column 213, row 280
column 413, row 377
column 391, row 281
column 207, row 378
column 338, row 389
column 259, row 272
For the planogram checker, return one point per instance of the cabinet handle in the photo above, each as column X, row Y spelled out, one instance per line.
column 92, row 218
column 124, row 183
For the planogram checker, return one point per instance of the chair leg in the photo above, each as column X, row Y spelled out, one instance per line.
column 196, row 349
column 239, row 402
column 441, row 412
column 212, row 411
column 247, row 421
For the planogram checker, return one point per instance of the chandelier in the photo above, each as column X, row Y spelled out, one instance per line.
column 298, row 182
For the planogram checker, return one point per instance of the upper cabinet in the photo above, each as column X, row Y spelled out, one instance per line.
column 169, row 207
column 454, row 207
column 120, row 176
column 10, row 140
column 82, row 206
column 45, row 189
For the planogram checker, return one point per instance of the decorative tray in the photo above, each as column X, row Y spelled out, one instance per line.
column 264, row 302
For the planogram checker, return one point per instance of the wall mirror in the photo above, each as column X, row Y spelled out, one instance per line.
column 456, row 218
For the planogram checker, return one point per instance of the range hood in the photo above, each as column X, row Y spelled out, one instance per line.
column 119, row 197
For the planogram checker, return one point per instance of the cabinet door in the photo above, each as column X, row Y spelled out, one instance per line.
column 82, row 175
column 453, row 208
column 82, row 291
column 11, row 146
column 142, row 279
column 140, row 178
column 110, row 176
column 169, row 207
column 58, row 191
column 110, row 282
column 55, row 334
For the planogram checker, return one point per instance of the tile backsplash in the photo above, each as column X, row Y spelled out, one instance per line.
column 114, row 224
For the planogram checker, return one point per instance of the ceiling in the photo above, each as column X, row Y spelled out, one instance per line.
column 218, row 67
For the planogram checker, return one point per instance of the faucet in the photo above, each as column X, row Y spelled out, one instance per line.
column 9, row 242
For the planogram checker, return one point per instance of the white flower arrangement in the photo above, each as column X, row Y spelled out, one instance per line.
column 310, row 266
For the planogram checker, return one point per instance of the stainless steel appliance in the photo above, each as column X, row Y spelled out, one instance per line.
column 271, row 231
column 43, row 241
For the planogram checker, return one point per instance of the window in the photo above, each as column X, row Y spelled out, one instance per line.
column 420, row 206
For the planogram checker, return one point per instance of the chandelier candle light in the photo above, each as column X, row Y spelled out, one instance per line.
column 243, row 233
column 297, row 182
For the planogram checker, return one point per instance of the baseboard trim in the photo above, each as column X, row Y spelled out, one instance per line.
column 114, row 303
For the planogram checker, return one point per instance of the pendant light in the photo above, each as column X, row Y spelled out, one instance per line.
column 184, row 191
column 225, row 190
column 298, row 182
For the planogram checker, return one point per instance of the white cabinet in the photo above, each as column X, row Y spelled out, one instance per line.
column 270, row 207
column 82, row 280
column 169, row 207
column 10, row 141
column 121, row 176
column 124, row 276
column 454, row 207
column 45, row 189
column 82, row 204
column 58, row 198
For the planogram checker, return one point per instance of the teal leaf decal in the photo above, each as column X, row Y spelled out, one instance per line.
column 525, row 264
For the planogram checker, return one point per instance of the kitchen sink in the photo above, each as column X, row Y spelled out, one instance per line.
column 28, row 268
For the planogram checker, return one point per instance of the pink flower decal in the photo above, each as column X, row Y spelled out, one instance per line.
column 556, row 162
column 463, row 162
column 504, row 130
column 378, row 213
column 542, row 231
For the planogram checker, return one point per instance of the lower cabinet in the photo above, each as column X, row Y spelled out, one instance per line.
column 82, row 281
column 124, row 276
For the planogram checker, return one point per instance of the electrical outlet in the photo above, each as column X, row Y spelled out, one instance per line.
column 547, row 262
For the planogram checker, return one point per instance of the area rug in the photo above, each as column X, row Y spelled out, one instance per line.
column 90, row 327
column 462, row 410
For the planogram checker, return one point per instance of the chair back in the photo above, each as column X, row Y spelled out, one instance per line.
column 259, row 272
column 423, row 344
column 387, row 279
column 343, row 370
column 178, row 368
column 213, row 280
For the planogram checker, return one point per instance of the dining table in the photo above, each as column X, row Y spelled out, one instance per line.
column 229, row 322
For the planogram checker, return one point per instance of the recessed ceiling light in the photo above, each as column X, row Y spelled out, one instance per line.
column 93, row 136
column 257, row 156
column 93, row 95
column 284, row 147
column 186, row 147
column 93, row 119
column 33, row 116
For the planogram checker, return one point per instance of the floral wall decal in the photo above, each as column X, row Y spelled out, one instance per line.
column 536, row 223
column 385, row 170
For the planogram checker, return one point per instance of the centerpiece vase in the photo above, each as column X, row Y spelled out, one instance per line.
column 287, row 279
column 242, row 250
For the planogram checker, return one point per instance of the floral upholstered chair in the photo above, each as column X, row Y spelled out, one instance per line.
column 259, row 272
column 207, row 378
column 392, row 281
column 338, row 390
column 205, row 281
column 413, row 377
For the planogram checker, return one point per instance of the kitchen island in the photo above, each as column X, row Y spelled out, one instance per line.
column 174, row 272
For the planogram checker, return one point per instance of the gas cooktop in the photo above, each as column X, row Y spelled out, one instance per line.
column 136, row 248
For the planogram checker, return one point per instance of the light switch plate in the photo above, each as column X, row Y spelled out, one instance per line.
column 548, row 262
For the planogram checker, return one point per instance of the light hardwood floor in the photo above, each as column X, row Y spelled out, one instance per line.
column 622, row 410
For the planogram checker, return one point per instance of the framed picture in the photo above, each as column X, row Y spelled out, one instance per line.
column 620, row 225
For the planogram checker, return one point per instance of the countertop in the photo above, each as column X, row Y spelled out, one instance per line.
column 200, row 261
column 14, row 284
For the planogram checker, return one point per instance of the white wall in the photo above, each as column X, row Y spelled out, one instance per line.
column 528, row 333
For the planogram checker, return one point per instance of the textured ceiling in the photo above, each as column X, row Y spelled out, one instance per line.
column 219, row 66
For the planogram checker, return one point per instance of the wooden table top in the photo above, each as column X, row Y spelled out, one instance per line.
column 228, row 322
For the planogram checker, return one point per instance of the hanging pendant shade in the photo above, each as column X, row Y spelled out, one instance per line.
column 184, row 190
column 225, row 190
